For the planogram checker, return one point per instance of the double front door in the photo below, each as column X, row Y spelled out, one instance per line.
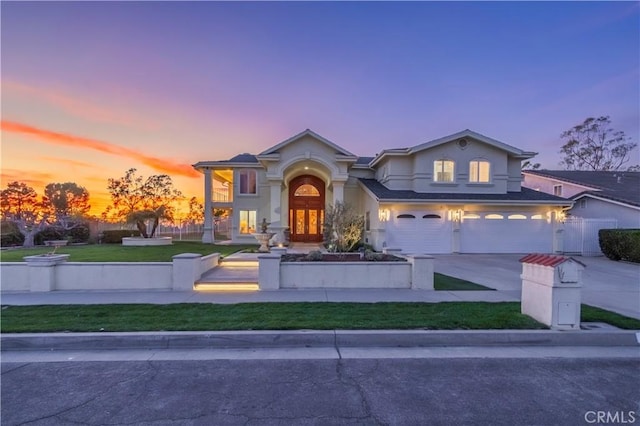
column 306, row 209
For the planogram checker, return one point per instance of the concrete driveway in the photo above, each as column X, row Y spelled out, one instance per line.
column 610, row 285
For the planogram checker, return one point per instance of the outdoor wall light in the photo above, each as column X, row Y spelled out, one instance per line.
column 384, row 215
column 455, row 215
column 561, row 216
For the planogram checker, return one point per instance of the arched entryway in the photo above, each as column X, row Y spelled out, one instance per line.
column 306, row 208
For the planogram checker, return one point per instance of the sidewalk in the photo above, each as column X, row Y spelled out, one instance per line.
column 162, row 297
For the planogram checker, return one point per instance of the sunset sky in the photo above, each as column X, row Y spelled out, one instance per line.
column 91, row 89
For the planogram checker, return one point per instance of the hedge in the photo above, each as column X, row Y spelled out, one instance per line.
column 10, row 235
column 115, row 236
column 620, row 244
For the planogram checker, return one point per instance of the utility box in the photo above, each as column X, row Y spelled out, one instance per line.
column 551, row 290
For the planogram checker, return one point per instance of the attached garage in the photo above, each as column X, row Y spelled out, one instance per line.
column 419, row 232
column 502, row 232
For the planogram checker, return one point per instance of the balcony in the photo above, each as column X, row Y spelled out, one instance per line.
column 222, row 195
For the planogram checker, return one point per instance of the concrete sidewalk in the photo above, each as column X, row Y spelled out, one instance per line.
column 162, row 297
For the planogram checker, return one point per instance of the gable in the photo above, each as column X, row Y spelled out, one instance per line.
column 305, row 136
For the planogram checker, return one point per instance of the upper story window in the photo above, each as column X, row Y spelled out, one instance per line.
column 248, row 181
column 557, row 190
column 479, row 171
column 443, row 170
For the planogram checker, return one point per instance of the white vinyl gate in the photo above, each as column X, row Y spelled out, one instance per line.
column 580, row 235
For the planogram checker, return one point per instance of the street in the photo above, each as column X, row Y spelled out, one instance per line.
column 392, row 390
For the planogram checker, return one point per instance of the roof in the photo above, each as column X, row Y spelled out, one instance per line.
column 547, row 259
column 307, row 132
column 525, row 195
column 242, row 158
column 618, row 186
column 364, row 161
column 516, row 152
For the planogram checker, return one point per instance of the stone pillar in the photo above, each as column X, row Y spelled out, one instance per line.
column 42, row 271
column 421, row 272
column 269, row 271
column 551, row 290
column 338, row 192
column 208, row 236
column 186, row 271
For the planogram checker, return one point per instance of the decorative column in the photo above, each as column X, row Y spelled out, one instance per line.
column 207, row 236
column 338, row 192
column 275, row 203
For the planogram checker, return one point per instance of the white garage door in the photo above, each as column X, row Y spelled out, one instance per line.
column 419, row 232
column 505, row 233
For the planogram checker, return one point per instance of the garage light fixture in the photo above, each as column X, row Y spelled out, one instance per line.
column 384, row 215
column 455, row 215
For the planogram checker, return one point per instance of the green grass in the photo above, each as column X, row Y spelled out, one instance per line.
column 119, row 253
column 283, row 316
column 445, row 282
column 593, row 314
column 265, row 316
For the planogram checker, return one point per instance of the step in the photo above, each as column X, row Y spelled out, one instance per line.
column 235, row 262
column 236, row 286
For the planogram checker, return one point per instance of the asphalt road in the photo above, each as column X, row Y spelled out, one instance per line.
column 535, row 391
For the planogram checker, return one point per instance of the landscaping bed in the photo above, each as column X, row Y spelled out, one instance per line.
column 340, row 257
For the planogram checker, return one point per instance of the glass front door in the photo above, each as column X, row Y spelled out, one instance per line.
column 306, row 208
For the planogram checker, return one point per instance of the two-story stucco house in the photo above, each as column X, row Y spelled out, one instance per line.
column 458, row 194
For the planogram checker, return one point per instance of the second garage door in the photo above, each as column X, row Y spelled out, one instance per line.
column 505, row 233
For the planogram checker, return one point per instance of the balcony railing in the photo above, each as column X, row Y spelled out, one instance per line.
column 222, row 195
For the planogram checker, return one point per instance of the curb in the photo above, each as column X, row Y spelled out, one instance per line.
column 313, row 339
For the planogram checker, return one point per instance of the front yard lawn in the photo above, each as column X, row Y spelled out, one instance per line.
column 445, row 282
column 119, row 253
column 282, row 316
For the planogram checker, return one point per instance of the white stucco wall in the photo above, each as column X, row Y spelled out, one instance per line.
column 345, row 275
column 627, row 217
column 14, row 276
column 113, row 276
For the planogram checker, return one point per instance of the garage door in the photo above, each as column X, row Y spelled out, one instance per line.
column 419, row 232
column 505, row 233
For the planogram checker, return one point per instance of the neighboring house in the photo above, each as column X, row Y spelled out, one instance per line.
column 597, row 194
column 457, row 194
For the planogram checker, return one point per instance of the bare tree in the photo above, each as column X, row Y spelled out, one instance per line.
column 594, row 145
column 343, row 227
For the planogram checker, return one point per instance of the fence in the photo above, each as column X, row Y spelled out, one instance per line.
column 581, row 235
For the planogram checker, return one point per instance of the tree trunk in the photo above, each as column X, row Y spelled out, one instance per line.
column 142, row 227
column 29, row 239
column 155, row 226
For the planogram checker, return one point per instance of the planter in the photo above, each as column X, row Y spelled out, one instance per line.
column 263, row 238
column 140, row 241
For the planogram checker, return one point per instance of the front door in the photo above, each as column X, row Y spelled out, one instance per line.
column 306, row 209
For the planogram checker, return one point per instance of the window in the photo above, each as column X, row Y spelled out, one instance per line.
column 494, row 216
column 367, row 221
column 537, row 217
column 248, row 182
column 471, row 216
column 443, row 171
column 247, row 221
column 479, row 171
column 306, row 190
column 516, row 216
column 557, row 190
column 406, row 216
column 583, row 203
column 431, row 216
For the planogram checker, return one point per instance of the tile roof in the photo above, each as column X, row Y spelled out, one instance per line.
column 526, row 194
column 547, row 259
column 617, row 186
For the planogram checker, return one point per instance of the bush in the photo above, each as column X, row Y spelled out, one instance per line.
column 48, row 233
column 314, row 256
column 116, row 236
column 620, row 244
column 11, row 236
column 79, row 234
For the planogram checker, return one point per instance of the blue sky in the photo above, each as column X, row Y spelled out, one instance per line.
column 185, row 82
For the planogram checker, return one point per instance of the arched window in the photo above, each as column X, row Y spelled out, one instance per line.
column 516, row 216
column 406, row 216
column 306, row 190
column 443, row 170
column 494, row 216
column 479, row 171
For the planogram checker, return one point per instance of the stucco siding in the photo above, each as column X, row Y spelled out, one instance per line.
column 627, row 217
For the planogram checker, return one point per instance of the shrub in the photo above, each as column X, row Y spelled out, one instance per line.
column 620, row 244
column 79, row 234
column 11, row 235
column 115, row 236
column 361, row 245
column 314, row 256
column 343, row 227
column 372, row 256
column 48, row 233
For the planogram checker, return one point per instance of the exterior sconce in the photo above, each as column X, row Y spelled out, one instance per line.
column 561, row 216
column 455, row 215
column 384, row 215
